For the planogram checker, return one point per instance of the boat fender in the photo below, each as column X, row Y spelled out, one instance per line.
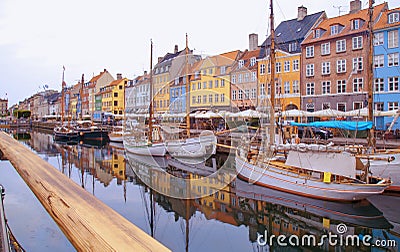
column 81, row 133
column 383, row 181
column 391, row 158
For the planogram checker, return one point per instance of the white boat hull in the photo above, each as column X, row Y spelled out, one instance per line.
column 192, row 147
column 287, row 181
column 156, row 149
column 383, row 168
column 116, row 138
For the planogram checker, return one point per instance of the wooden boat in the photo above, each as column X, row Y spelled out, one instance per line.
column 321, row 175
column 116, row 135
column 88, row 131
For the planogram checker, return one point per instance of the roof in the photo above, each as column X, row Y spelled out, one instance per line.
column 97, row 77
column 382, row 23
column 345, row 22
column 292, row 30
column 246, row 56
column 116, row 82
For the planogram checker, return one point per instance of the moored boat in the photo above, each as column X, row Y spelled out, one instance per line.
column 88, row 131
column 64, row 133
column 117, row 134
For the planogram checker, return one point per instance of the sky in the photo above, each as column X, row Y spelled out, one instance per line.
column 38, row 38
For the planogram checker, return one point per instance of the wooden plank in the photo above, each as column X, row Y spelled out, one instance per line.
column 88, row 223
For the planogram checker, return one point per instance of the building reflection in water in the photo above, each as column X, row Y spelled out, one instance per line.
column 257, row 208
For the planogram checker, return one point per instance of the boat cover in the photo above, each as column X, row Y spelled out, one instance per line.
column 347, row 125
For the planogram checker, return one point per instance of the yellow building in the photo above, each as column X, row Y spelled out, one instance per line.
column 118, row 167
column 287, row 80
column 113, row 96
column 210, row 84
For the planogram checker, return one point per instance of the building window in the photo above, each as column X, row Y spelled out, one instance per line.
column 233, row 79
column 341, row 45
column 309, row 51
column 357, row 42
column 341, row 106
column 379, row 85
column 378, row 106
column 393, row 84
column 293, row 47
column 326, row 87
column 325, row 48
column 216, row 96
column 253, row 93
column 222, row 97
column 199, row 99
column 204, row 84
column 216, row 83
column 115, row 103
column 194, row 99
column 210, row 84
column 278, row 67
column 309, row 70
column 210, row 71
column 317, row 33
column 115, row 95
column 210, row 98
column 262, row 89
column 253, row 76
column 241, row 63
column 269, row 68
column 296, row 87
column 246, row 94
column 252, row 61
column 286, row 87
column 378, row 38
column 357, row 64
column 199, row 85
column 222, row 83
column 326, row 68
column 246, row 77
column 334, row 29
column 393, row 105
column 233, row 95
column 341, row 66
column 393, row 18
column 204, row 99
column 358, row 84
column 310, row 88
column 286, row 66
column 240, row 78
column 379, row 61
column 326, row 105
column 223, row 69
column 355, row 24
column 393, row 59
column 393, row 39
column 296, row 65
column 341, row 86
column 262, row 68
column 240, row 94
column 357, row 105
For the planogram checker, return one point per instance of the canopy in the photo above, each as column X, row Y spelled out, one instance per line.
column 207, row 115
column 293, row 113
column 337, row 125
column 327, row 113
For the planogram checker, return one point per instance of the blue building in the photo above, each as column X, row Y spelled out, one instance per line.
column 386, row 66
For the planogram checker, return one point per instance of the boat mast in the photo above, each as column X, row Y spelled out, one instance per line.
column 62, row 97
column 370, row 76
column 187, row 88
column 150, row 136
column 80, row 96
column 272, row 91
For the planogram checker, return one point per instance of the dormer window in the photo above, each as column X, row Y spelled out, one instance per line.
column 355, row 24
column 334, row 29
column 241, row 63
column 318, row 33
column 252, row 61
column 393, row 18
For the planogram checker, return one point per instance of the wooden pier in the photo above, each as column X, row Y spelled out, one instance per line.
column 88, row 223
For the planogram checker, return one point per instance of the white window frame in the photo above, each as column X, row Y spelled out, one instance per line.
column 334, row 29
column 309, row 70
column 240, row 63
column 341, row 66
column 358, row 85
column 286, row 87
column 393, row 17
column 357, row 42
column 253, row 61
column 379, row 38
column 355, row 24
column 393, row 105
column 234, row 97
column 296, row 65
column 326, row 87
column 379, row 61
column 286, row 67
column 340, row 45
column 310, row 88
column 341, row 86
column 278, row 67
column 325, row 68
column 393, row 84
column 341, row 103
column 358, row 64
column 326, row 48
column 296, row 87
column 393, row 59
column 262, row 69
column 379, row 85
column 309, row 51
column 393, row 39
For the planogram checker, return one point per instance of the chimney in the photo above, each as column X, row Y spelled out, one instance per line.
column 119, row 76
column 176, row 49
column 301, row 13
column 355, row 6
column 160, row 59
column 253, row 42
column 105, row 70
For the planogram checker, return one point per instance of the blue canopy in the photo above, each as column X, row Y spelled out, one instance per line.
column 337, row 125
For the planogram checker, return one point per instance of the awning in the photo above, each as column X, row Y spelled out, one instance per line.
column 336, row 125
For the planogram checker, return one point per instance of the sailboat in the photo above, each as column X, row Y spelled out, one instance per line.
column 64, row 132
column 336, row 176
column 152, row 145
column 202, row 146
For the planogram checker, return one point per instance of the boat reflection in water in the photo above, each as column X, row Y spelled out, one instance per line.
column 158, row 186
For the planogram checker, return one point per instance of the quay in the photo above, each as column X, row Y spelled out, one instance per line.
column 88, row 223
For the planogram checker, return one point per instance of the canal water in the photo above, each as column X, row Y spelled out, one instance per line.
column 227, row 214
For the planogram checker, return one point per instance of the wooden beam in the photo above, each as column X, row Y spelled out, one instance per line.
column 88, row 223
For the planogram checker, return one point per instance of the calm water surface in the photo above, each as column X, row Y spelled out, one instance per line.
column 230, row 219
